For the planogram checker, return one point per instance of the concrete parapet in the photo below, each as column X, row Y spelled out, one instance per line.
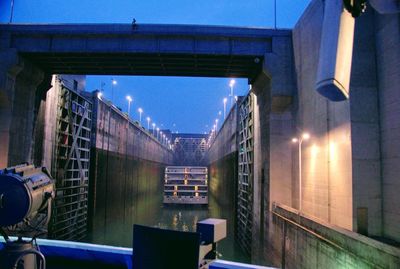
column 303, row 241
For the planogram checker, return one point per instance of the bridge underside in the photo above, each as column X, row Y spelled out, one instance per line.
column 148, row 64
column 145, row 50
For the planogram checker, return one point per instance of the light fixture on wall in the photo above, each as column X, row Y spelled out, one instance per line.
column 299, row 140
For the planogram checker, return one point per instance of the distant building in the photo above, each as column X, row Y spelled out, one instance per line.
column 190, row 149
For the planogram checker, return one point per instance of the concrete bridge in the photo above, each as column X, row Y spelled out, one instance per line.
column 123, row 49
column 31, row 53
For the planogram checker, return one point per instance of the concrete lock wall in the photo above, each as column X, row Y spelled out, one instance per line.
column 326, row 156
column 350, row 163
column 123, row 188
column 127, row 165
column 387, row 36
column 223, row 154
column 117, row 134
column 125, row 170
column 348, row 160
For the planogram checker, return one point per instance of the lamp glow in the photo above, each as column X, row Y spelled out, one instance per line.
column 225, row 100
column 148, row 123
column 140, row 115
column 129, row 104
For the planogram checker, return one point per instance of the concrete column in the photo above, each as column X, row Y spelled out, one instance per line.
column 387, row 36
column 24, row 114
column 9, row 69
column 273, row 90
column 18, row 82
column 364, row 115
column 261, row 133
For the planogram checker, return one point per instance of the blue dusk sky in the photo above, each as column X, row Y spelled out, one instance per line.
column 180, row 104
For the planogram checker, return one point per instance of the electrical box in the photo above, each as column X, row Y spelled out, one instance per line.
column 211, row 230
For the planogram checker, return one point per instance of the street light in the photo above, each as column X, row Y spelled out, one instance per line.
column 148, row 123
column 231, row 83
column 216, row 124
column 158, row 130
column 113, row 83
column 99, row 95
column 154, row 126
column 303, row 137
column 129, row 104
column 225, row 100
column 140, row 115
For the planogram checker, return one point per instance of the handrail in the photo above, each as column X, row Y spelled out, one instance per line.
column 322, row 238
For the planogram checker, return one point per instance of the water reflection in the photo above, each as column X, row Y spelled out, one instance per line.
column 150, row 211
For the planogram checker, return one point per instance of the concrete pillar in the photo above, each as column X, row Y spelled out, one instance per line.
column 364, row 115
column 273, row 90
column 18, row 83
column 261, row 191
column 24, row 114
column 387, row 36
column 9, row 69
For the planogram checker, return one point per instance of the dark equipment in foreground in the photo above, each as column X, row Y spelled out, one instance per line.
column 155, row 248
column 25, row 206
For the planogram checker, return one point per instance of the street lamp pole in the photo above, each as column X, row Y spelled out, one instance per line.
column 231, row 83
column 148, row 123
column 129, row 105
column 225, row 100
column 113, row 83
column 154, row 127
column 140, row 115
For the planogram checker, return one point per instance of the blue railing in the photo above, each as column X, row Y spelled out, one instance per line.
column 63, row 254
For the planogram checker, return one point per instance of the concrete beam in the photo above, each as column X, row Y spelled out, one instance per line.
column 179, row 50
column 142, row 38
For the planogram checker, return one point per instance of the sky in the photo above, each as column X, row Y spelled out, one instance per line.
column 186, row 105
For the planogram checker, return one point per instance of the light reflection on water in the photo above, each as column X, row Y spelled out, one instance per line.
column 150, row 211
